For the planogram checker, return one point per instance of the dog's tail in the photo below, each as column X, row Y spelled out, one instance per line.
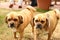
column 32, row 9
column 57, row 13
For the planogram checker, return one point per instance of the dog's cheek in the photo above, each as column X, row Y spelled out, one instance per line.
column 16, row 23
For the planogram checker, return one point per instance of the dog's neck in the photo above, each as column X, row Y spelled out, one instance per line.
column 18, row 25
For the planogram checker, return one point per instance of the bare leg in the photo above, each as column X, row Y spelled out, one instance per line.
column 11, row 3
column 29, row 2
column 55, row 2
column 20, row 3
column 25, row 2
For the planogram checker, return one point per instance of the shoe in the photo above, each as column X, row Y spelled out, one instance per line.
column 11, row 5
column 19, row 6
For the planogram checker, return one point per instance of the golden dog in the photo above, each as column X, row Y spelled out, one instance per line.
column 20, row 20
column 45, row 22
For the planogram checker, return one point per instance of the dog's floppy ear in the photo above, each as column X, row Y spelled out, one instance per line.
column 33, row 21
column 6, row 20
column 20, row 19
column 47, row 25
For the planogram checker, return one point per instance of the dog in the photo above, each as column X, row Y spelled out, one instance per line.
column 45, row 22
column 19, row 21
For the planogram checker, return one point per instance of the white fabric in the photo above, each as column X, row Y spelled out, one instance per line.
column 11, row 1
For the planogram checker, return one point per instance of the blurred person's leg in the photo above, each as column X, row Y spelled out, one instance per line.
column 33, row 2
column 27, row 2
column 20, row 3
column 51, row 3
column 55, row 2
column 12, row 2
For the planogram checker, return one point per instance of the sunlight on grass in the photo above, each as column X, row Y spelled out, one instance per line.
column 41, row 10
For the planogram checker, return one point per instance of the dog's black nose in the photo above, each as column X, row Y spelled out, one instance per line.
column 39, row 26
column 12, row 25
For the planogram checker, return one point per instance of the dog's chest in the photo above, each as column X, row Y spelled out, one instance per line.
column 41, row 32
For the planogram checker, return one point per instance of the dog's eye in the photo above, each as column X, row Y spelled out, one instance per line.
column 9, row 19
column 36, row 20
column 42, row 21
column 15, row 19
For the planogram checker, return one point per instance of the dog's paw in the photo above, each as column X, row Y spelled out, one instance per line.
column 15, row 38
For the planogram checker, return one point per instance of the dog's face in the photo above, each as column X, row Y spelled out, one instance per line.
column 13, row 20
column 40, row 21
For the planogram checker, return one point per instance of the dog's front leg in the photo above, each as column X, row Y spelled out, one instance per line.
column 21, row 36
column 35, row 35
column 49, row 35
column 15, row 36
column 32, row 29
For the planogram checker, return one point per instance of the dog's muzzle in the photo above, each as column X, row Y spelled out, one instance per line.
column 39, row 26
column 11, row 25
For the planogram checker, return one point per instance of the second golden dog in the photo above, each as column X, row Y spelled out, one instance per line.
column 45, row 22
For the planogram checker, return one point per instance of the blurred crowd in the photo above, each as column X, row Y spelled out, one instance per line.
column 27, row 2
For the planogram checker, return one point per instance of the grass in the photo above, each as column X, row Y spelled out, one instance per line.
column 4, row 31
column 41, row 10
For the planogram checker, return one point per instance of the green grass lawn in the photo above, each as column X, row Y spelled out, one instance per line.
column 4, row 30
